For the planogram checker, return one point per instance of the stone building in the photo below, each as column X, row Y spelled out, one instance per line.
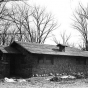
column 25, row 59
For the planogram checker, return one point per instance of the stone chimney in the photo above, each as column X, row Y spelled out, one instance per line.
column 61, row 47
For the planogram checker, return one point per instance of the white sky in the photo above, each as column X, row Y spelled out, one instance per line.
column 62, row 11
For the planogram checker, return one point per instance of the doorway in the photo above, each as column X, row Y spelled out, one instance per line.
column 13, row 65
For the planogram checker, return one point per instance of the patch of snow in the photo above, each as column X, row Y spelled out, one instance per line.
column 68, row 76
column 9, row 79
column 22, row 80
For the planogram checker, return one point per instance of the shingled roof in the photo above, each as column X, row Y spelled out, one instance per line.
column 37, row 48
column 7, row 49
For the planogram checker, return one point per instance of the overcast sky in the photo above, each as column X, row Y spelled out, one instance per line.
column 62, row 10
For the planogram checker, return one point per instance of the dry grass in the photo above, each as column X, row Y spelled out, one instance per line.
column 41, row 82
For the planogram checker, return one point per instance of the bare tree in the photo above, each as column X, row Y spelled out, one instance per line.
column 65, row 38
column 81, row 24
column 81, row 46
column 16, row 15
column 4, row 24
column 44, row 24
column 32, row 23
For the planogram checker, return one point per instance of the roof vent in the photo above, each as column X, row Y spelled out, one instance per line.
column 60, row 48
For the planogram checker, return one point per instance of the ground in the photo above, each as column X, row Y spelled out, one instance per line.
column 42, row 82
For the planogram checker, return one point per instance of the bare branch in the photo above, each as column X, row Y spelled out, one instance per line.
column 80, row 22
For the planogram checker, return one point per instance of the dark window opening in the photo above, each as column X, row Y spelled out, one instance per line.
column 40, row 59
column 45, row 60
column 49, row 60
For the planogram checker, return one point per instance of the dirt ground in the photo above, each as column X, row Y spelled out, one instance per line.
column 42, row 82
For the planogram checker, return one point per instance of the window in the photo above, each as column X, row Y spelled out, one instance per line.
column 45, row 60
column 49, row 60
column 40, row 59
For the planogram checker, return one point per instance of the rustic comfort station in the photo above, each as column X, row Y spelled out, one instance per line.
column 26, row 59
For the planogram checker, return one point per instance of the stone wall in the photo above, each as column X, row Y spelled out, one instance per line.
column 61, row 64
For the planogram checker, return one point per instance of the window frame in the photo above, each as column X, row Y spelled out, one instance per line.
column 45, row 58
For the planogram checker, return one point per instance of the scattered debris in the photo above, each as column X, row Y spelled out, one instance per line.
column 51, row 74
column 63, row 77
column 35, row 75
column 55, row 79
column 28, row 80
column 78, row 76
column 57, row 74
column 72, row 77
